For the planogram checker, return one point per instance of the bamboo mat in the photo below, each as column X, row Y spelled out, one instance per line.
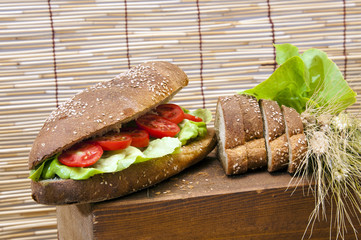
column 49, row 50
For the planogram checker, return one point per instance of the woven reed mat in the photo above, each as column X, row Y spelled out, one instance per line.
column 52, row 49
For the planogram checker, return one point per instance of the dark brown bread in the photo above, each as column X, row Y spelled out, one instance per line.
column 231, row 135
column 273, row 119
column 293, row 121
column 231, row 111
column 237, row 161
column 106, row 106
column 256, row 154
column 297, row 142
column 275, row 135
column 252, row 117
column 253, row 125
column 239, row 117
column 278, row 156
column 298, row 151
column 112, row 185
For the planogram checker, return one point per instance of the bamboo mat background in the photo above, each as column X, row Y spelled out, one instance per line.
column 49, row 50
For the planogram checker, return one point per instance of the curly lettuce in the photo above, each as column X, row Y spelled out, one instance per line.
column 305, row 78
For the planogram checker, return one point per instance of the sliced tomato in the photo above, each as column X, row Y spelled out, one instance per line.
column 171, row 112
column 192, row 118
column 115, row 141
column 81, row 155
column 157, row 126
column 140, row 138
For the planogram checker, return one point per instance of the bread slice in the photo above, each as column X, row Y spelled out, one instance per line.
column 256, row 154
column 237, row 160
column 253, row 125
column 106, row 106
column 252, row 117
column 112, row 185
column 275, row 136
column 230, row 134
column 238, row 117
column 296, row 138
column 293, row 121
column 230, row 117
column 278, row 157
column 298, row 151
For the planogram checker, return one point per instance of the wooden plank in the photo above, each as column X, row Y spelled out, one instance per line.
column 200, row 203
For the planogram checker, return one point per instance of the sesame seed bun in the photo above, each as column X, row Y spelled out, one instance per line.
column 106, row 106
column 113, row 185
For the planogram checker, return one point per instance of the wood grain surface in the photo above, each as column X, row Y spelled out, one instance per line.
column 200, row 203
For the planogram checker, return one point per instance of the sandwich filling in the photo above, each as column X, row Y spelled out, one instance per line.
column 163, row 140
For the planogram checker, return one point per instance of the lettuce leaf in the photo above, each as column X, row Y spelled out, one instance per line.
column 205, row 114
column 310, row 77
column 286, row 85
column 114, row 161
column 190, row 130
column 111, row 161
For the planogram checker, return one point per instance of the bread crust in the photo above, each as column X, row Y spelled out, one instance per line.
column 237, row 160
column 296, row 138
column 299, row 150
column 91, row 112
column 112, row 185
column 273, row 118
column 280, row 154
column 256, row 154
column 252, row 117
column 241, row 145
column 233, row 121
column 293, row 121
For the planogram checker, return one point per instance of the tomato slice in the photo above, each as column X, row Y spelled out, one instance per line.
column 81, row 155
column 192, row 118
column 157, row 126
column 171, row 112
column 114, row 141
column 140, row 138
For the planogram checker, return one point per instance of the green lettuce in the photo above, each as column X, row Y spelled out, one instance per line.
column 190, row 130
column 305, row 78
column 204, row 114
column 114, row 161
column 111, row 161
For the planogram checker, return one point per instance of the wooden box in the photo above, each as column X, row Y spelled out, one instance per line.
column 200, row 203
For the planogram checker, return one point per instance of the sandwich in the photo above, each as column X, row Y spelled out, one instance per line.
column 118, row 137
column 258, row 135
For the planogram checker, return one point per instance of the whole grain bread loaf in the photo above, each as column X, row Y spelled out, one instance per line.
column 239, row 122
column 271, row 136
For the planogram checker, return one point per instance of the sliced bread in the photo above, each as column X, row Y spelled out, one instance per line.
column 275, row 136
column 230, row 134
column 296, row 138
column 253, row 127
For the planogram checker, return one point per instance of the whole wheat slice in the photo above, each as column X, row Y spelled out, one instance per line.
column 275, row 135
column 296, row 138
column 253, row 125
column 231, row 135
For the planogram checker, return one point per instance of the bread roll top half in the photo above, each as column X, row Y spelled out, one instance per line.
column 106, row 106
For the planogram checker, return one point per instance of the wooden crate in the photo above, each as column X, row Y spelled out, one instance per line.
column 200, row 203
